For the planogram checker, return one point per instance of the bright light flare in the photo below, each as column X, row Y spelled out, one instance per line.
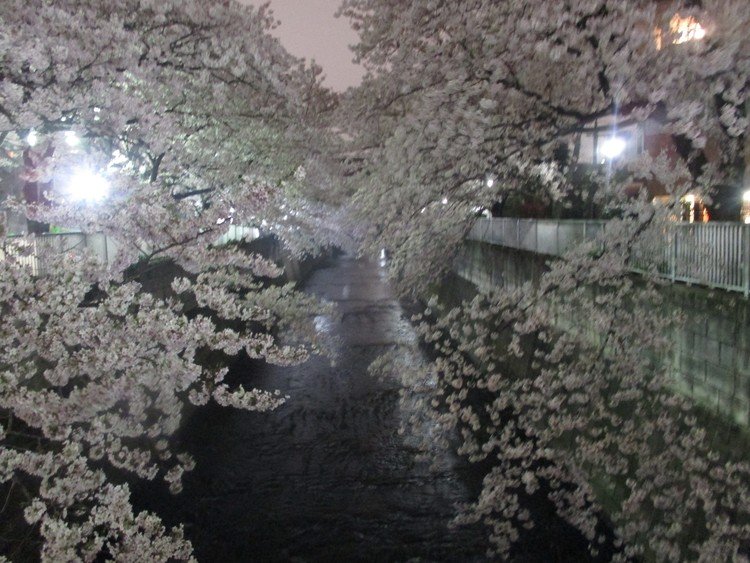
column 72, row 139
column 746, row 196
column 613, row 147
column 87, row 186
column 32, row 138
column 686, row 29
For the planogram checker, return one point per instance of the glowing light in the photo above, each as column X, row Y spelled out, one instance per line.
column 85, row 185
column 72, row 139
column 613, row 147
column 490, row 182
column 745, row 212
column 32, row 138
column 685, row 29
column 445, row 201
column 682, row 30
column 690, row 199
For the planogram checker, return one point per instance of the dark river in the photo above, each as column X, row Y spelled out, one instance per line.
column 326, row 477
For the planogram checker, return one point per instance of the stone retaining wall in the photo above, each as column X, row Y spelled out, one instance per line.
column 710, row 360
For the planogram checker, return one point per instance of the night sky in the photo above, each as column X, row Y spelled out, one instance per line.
column 310, row 30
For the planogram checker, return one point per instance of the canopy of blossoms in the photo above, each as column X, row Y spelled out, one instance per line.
column 186, row 117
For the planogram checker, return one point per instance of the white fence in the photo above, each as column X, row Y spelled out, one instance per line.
column 34, row 252
column 712, row 254
column 237, row 233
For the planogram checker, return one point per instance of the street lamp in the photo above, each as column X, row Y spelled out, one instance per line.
column 613, row 147
column 72, row 139
column 87, row 186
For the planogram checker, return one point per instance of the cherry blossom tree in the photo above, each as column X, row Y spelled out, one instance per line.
column 196, row 119
column 560, row 384
column 463, row 104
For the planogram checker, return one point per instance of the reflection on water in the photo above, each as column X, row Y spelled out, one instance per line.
column 323, row 324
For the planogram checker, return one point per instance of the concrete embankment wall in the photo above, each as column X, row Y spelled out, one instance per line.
column 295, row 270
column 157, row 278
column 710, row 359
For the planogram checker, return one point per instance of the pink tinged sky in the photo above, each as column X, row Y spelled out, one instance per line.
column 309, row 29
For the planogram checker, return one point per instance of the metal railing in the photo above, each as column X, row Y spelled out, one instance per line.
column 238, row 233
column 35, row 252
column 711, row 254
